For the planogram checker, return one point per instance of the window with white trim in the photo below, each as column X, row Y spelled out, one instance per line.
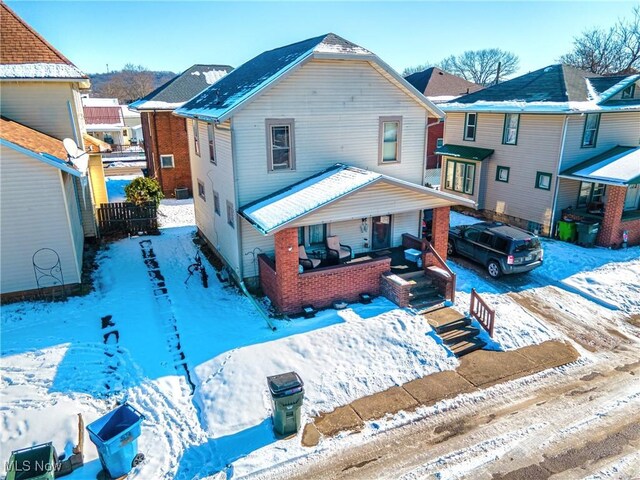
column 280, row 144
column 201, row 191
column 212, row 145
column 231, row 215
column 390, row 135
column 470, row 125
column 166, row 161
column 196, row 137
column 439, row 142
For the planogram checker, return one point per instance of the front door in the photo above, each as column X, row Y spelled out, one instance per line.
column 381, row 232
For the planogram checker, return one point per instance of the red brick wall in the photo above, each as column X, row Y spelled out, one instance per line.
column 286, row 247
column 440, row 230
column 166, row 134
column 396, row 289
column 435, row 132
column 612, row 226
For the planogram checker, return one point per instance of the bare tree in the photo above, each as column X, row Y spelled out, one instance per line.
column 131, row 83
column 613, row 51
column 483, row 67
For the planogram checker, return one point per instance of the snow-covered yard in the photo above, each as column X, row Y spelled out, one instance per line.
column 55, row 363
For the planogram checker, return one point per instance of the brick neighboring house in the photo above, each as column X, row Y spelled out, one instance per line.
column 300, row 164
column 439, row 87
column 164, row 134
column 558, row 143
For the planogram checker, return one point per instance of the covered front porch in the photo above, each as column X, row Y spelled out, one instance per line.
column 344, row 233
column 605, row 190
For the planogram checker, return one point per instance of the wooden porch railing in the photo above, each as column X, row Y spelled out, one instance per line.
column 424, row 246
column 482, row 312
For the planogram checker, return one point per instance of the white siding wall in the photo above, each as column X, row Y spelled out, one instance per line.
column 621, row 128
column 219, row 177
column 33, row 215
column 43, row 106
column 336, row 107
column 568, row 191
column 75, row 215
column 407, row 222
column 538, row 149
column 350, row 233
column 252, row 239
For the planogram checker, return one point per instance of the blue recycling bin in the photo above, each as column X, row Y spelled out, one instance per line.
column 115, row 435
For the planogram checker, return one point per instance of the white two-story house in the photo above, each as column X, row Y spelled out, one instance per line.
column 558, row 143
column 305, row 148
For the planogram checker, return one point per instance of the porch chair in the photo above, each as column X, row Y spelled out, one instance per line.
column 306, row 262
column 337, row 251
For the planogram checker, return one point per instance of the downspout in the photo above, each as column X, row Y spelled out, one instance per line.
column 557, row 187
column 240, row 272
column 157, row 171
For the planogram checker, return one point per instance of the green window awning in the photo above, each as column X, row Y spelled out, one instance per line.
column 463, row 151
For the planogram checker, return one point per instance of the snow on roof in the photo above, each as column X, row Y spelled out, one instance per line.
column 155, row 105
column 520, row 106
column 275, row 210
column 211, row 76
column 40, row 70
column 618, row 165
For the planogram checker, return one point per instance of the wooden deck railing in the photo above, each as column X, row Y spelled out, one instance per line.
column 482, row 312
column 424, row 246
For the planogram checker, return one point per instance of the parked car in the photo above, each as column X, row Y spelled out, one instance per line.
column 501, row 248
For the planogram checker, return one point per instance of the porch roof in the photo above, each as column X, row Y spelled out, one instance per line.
column 464, row 151
column 287, row 206
column 618, row 166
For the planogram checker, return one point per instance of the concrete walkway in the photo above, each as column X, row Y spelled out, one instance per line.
column 477, row 370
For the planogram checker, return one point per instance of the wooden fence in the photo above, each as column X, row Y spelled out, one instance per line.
column 484, row 314
column 127, row 218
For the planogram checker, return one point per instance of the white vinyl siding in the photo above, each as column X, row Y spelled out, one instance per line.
column 336, row 107
column 34, row 206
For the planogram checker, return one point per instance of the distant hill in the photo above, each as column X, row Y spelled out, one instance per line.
column 119, row 84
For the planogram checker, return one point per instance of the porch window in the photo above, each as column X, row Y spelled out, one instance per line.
column 502, row 174
column 216, row 203
column 312, row 235
column 470, row 124
column 196, row 137
column 543, row 180
column 212, row 146
column 590, row 134
column 460, row 176
column 629, row 92
column 390, row 138
column 585, row 194
column 231, row 215
column 632, row 199
column 510, row 132
column 166, row 161
column 591, row 194
column 201, row 191
column 280, row 144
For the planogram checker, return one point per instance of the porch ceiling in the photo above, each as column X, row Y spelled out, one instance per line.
column 342, row 193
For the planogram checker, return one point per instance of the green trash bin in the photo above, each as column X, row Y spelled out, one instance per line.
column 287, row 394
column 567, row 231
column 33, row 463
column 587, row 233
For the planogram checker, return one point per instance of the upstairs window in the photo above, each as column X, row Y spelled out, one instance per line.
column 390, row 136
column 212, row 146
column 470, row 124
column 196, row 137
column 510, row 132
column 590, row 134
column 629, row 92
column 280, row 144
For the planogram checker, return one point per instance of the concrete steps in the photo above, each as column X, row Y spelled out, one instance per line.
column 455, row 331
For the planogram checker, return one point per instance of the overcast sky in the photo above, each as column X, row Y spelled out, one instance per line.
column 174, row 35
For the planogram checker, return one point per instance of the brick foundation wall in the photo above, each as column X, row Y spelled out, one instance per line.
column 166, row 134
column 395, row 289
column 612, row 226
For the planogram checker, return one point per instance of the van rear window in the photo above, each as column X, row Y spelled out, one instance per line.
column 526, row 245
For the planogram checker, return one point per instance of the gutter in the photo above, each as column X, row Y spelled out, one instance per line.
column 557, row 187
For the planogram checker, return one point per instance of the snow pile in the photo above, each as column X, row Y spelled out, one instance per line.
column 176, row 213
column 372, row 348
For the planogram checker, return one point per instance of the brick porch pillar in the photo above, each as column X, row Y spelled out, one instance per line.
column 610, row 233
column 440, row 230
column 286, row 250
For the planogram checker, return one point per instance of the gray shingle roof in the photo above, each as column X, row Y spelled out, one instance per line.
column 250, row 77
column 182, row 87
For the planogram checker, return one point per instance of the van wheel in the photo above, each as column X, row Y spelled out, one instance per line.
column 493, row 268
column 451, row 249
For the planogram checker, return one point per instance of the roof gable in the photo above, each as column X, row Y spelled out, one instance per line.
column 221, row 100
column 182, row 88
column 434, row 82
column 25, row 54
